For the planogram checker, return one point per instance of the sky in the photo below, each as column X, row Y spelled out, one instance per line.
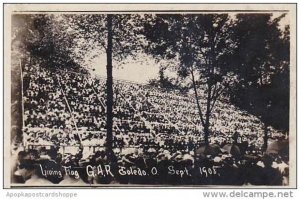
column 140, row 71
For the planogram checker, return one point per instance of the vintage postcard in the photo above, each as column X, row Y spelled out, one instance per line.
column 150, row 95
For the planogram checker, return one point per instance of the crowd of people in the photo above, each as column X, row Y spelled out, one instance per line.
column 154, row 166
column 65, row 123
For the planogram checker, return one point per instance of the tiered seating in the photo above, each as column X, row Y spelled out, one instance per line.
column 46, row 115
column 71, row 102
column 65, row 113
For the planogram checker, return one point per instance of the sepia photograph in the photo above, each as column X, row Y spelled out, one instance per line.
column 150, row 95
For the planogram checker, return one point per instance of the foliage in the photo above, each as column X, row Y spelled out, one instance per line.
column 261, row 61
column 201, row 45
column 43, row 37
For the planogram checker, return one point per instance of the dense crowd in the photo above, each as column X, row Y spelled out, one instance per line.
column 65, row 123
column 134, row 166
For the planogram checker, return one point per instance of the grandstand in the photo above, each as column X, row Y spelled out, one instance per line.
column 68, row 109
column 64, row 121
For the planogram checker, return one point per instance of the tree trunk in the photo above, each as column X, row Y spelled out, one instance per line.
column 208, row 112
column 207, row 116
column 197, row 100
column 265, row 137
column 206, row 132
column 109, row 88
